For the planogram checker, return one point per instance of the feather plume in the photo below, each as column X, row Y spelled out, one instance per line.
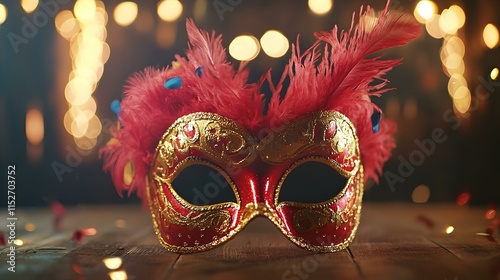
column 148, row 108
column 342, row 77
column 339, row 76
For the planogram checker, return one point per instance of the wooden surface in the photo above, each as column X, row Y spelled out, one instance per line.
column 391, row 243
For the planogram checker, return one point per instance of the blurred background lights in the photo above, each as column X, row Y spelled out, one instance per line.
column 66, row 24
column 120, row 223
column 454, row 45
column 169, row 10
column 125, row 13
column 274, row 43
column 34, row 126
column 425, row 10
column 456, row 82
column 18, row 242
column 29, row 227
column 449, row 229
column 89, row 51
column 449, row 21
column 3, row 13
column 433, row 28
column 29, row 5
column 421, row 194
column 84, row 9
column 113, row 263
column 244, row 48
column 462, row 99
column 118, row 275
column 494, row 73
column 490, row 35
column 459, row 13
column 320, row 7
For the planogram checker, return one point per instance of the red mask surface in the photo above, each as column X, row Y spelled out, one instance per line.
column 205, row 151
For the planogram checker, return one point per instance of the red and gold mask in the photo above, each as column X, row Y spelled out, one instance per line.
column 196, row 145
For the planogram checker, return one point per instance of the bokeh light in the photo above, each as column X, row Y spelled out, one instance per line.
column 125, row 13
column 433, row 28
column 85, row 9
column 120, row 223
column 455, row 83
column 425, row 10
column 3, row 13
column 459, row 12
column 118, row 275
column 462, row 100
column 66, row 24
column 421, row 194
column 244, row 48
column 29, row 227
column 89, row 52
column 113, row 263
column 169, row 10
column 449, row 21
column 494, row 73
column 449, row 229
column 29, row 5
column 18, row 242
column 320, row 7
column 34, row 126
column 274, row 43
column 490, row 35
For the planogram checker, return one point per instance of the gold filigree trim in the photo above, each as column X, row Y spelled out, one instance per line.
column 215, row 219
column 312, row 131
column 222, row 141
column 333, row 164
column 219, row 138
column 354, row 214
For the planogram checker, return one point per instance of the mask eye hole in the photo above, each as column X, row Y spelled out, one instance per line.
column 311, row 182
column 203, row 184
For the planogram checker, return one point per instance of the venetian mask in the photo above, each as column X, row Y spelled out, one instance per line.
column 207, row 153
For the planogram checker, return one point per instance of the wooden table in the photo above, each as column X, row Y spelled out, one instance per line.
column 394, row 241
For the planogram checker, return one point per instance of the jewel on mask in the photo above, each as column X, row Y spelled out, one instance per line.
column 376, row 117
column 173, row 83
column 199, row 71
column 128, row 173
column 115, row 107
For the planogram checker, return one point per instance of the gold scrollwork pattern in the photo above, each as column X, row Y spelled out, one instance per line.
column 217, row 137
column 219, row 219
column 311, row 132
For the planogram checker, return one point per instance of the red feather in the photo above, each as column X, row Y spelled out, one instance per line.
column 344, row 79
column 337, row 77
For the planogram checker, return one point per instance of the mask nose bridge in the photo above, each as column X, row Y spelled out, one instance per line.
column 253, row 210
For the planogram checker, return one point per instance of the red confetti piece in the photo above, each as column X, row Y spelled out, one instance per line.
column 59, row 211
column 77, row 269
column 3, row 242
column 491, row 212
column 463, row 198
column 426, row 221
column 79, row 234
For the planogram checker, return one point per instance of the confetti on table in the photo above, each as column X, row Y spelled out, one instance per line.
column 426, row 221
column 58, row 210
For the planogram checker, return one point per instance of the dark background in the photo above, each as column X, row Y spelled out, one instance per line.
column 465, row 162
